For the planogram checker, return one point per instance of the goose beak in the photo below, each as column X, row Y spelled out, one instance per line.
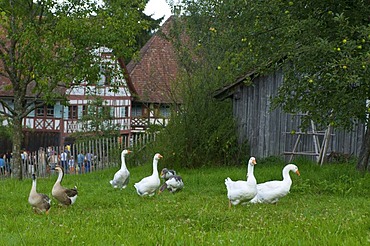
column 298, row 173
column 129, row 151
column 254, row 162
column 160, row 156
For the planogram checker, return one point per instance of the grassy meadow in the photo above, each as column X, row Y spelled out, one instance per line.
column 326, row 206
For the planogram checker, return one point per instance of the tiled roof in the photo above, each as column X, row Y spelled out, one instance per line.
column 153, row 73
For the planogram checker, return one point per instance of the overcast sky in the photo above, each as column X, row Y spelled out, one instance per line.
column 158, row 8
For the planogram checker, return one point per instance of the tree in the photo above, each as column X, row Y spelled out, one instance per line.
column 47, row 45
column 145, row 34
column 200, row 131
column 98, row 122
column 322, row 47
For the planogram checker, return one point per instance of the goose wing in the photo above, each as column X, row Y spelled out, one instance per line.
column 71, row 192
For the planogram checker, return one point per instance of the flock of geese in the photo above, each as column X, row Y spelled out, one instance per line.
column 249, row 191
column 148, row 185
column 238, row 192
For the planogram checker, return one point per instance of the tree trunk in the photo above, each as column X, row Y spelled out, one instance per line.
column 17, row 144
column 363, row 160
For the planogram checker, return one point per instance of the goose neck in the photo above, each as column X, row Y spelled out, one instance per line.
column 33, row 189
column 286, row 176
column 60, row 177
column 250, row 169
column 155, row 167
column 123, row 162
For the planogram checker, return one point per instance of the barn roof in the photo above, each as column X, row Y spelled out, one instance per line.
column 228, row 91
column 154, row 72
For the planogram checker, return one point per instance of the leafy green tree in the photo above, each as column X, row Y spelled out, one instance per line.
column 98, row 121
column 144, row 35
column 47, row 45
column 322, row 47
column 201, row 130
column 6, row 131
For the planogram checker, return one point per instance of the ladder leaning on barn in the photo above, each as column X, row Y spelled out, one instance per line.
column 320, row 149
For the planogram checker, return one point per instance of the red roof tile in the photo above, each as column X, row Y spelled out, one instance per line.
column 153, row 73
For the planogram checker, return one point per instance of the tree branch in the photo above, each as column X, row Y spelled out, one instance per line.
column 6, row 106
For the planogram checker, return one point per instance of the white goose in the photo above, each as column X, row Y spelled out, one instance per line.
column 63, row 195
column 242, row 191
column 172, row 184
column 148, row 185
column 40, row 202
column 122, row 176
column 271, row 191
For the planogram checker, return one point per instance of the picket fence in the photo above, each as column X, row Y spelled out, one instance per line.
column 105, row 153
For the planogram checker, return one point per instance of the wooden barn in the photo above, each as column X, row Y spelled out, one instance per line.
column 275, row 133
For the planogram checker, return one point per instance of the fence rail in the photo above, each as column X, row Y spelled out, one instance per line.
column 97, row 155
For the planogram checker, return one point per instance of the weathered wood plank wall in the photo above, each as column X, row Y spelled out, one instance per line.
column 268, row 132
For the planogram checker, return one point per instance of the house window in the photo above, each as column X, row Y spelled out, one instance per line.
column 104, row 111
column 124, row 112
column 136, row 111
column 72, row 112
column 165, row 111
column 50, row 111
column 107, row 111
column 45, row 111
column 85, row 110
column 40, row 111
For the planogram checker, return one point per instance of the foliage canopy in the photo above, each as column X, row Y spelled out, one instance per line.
column 47, row 46
column 323, row 48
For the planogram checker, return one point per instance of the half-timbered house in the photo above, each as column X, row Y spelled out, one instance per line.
column 146, row 95
column 53, row 124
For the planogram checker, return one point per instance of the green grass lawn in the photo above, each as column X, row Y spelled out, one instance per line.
column 326, row 206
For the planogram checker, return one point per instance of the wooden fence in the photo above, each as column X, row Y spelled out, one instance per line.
column 97, row 155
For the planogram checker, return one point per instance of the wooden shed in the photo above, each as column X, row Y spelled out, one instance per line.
column 275, row 133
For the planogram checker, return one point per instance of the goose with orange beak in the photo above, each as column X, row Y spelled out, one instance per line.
column 272, row 191
column 242, row 191
column 122, row 176
column 148, row 185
